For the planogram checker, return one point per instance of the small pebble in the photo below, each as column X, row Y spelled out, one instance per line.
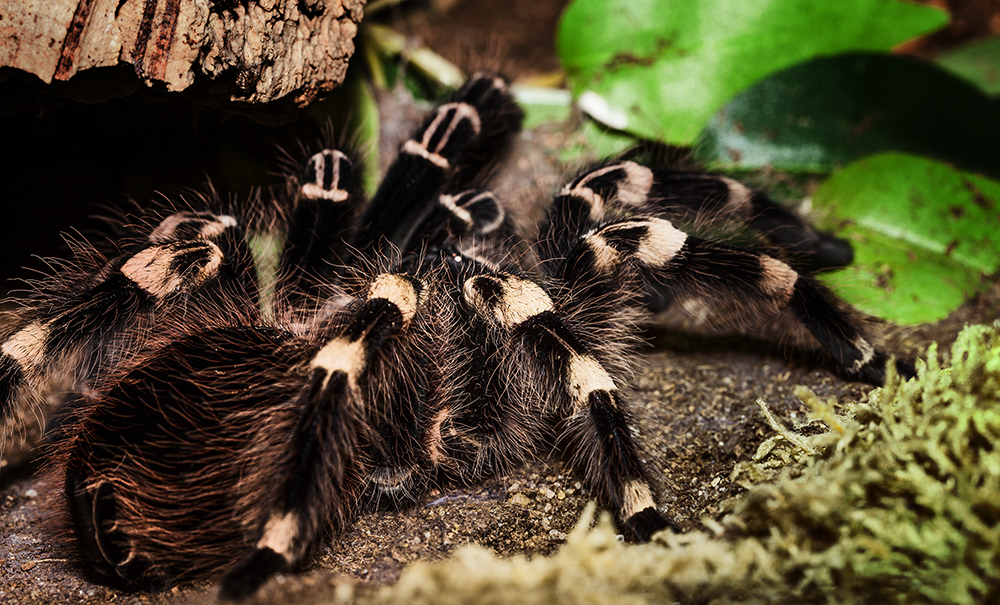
column 520, row 499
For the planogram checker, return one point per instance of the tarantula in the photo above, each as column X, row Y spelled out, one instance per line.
column 414, row 340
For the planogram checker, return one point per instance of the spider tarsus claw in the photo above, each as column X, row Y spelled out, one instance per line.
column 482, row 86
column 246, row 578
column 813, row 251
column 645, row 523
column 906, row 369
column 873, row 371
column 832, row 252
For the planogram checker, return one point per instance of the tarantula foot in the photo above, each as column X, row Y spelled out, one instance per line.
column 906, row 369
column 246, row 578
column 641, row 526
column 874, row 371
column 474, row 211
column 832, row 252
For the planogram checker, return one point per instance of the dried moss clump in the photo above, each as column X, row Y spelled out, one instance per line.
column 898, row 501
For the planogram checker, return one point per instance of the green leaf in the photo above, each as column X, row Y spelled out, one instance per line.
column 924, row 235
column 978, row 63
column 542, row 105
column 834, row 110
column 592, row 142
column 365, row 122
column 667, row 66
column 586, row 141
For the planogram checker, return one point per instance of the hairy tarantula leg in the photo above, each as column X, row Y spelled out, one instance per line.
column 473, row 212
column 709, row 270
column 587, row 200
column 89, row 322
column 325, row 437
column 583, row 203
column 595, row 422
column 723, row 196
column 327, row 198
column 226, row 232
column 452, row 143
column 183, row 251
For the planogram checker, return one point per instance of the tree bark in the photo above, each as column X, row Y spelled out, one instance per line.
column 251, row 50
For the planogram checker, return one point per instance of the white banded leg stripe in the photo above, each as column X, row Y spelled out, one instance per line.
column 405, row 293
column 505, row 299
column 636, row 497
column 627, row 183
column 341, row 355
column 348, row 353
column 414, row 148
column 190, row 225
column 451, row 120
column 584, row 375
column 281, row 534
column 449, row 202
column 435, row 436
column 778, row 279
column 652, row 241
column 324, row 174
column 867, row 352
column 739, row 198
column 27, row 345
column 174, row 267
column 477, row 210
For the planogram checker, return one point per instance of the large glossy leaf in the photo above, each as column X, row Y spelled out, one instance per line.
column 834, row 110
column 924, row 235
column 979, row 63
column 665, row 67
column 592, row 142
column 542, row 105
column 584, row 142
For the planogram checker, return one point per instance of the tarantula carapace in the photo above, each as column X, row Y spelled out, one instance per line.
column 411, row 340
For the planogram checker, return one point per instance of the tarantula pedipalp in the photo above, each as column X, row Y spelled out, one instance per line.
column 416, row 341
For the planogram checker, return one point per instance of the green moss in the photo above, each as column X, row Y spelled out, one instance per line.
column 898, row 501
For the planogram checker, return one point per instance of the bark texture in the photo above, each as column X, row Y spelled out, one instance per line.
column 254, row 50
